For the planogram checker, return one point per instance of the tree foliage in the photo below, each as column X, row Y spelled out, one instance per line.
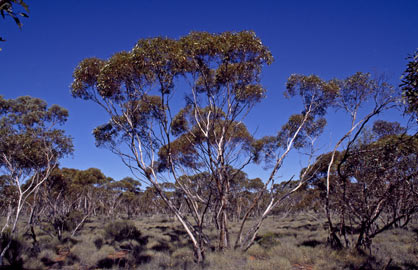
column 409, row 83
column 9, row 7
column 29, row 140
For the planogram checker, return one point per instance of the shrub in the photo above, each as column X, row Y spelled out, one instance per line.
column 122, row 230
column 72, row 219
column 98, row 242
column 230, row 259
column 88, row 254
column 47, row 257
column 268, row 240
column 257, row 251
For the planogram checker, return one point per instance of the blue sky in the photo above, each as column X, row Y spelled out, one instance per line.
column 328, row 38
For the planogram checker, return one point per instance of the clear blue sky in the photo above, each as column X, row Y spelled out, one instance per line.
column 328, row 38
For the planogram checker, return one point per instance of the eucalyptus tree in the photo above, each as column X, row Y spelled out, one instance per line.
column 383, row 190
column 138, row 88
column 374, row 184
column 361, row 97
column 88, row 184
column 56, row 201
column 30, row 147
column 356, row 93
column 69, row 197
column 299, row 132
column 125, row 194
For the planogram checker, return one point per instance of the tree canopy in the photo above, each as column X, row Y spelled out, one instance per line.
column 28, row 137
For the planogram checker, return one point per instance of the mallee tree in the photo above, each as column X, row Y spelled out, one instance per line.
column 153, row 137
column 373, row 184
column 30, row 148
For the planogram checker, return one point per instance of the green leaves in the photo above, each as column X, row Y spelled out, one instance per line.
column 135, row 88
column 85, row 77
column 238, row 57
column 7, row 8
column 409, row 84
column 28, row 137
column 317, row 95
column 383, row 128
column 104, row 134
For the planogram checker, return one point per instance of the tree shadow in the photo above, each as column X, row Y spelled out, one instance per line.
column 175, row 235
column 110, row 263
column 308, row 227
column 161, row 247
column 162, row 228
column 310, row 243
column 13, row 254
column 410, row 266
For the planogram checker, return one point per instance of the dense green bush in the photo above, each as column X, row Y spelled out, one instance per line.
column 121, row 230
column 98, row 242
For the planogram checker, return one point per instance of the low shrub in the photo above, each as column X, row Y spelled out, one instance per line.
column 268, row 240
column 121, row 230
column 98, row 242
column 88, row 254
